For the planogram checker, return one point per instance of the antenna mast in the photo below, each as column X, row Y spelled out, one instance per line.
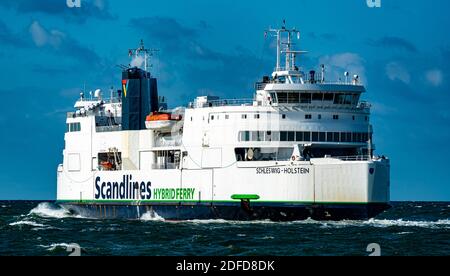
column 147, row 53
column 290, row 54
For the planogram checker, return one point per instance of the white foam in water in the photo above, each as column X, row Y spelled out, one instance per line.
column 47, row 210
column 53, row 246
column 27, row 222
column 151, row 216
column 408, row 223
column 219, row 221
column 379, row 223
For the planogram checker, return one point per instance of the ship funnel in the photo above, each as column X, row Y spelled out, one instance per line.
column 139, row 98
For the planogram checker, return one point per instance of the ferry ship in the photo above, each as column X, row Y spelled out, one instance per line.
column 300, row 148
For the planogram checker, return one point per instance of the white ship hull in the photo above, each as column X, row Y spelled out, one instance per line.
column 328, row 189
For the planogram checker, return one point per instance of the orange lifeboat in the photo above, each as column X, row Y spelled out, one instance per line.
column 161, row 121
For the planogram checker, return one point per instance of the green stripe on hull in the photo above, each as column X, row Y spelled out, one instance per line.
column 205, row 201
column 249, row 197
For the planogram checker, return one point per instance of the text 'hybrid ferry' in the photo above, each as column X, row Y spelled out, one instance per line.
column 300, row 148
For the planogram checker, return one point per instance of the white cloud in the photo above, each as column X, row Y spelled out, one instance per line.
column 38, row 34
column 434, row 77
column 42, row 37
column 396, row 71
column 336, row 65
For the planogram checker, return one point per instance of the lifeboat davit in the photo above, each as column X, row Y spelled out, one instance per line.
column 162, row 121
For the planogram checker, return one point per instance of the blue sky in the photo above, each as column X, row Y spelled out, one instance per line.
column 47, row 52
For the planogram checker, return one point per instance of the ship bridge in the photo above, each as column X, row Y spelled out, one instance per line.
column 291, row 114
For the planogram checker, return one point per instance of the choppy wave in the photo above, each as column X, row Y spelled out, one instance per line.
column 409, row 223
column 55, row 246
column 223, row 221
column 444, row 223
column 49, row 210
column 27, row 222
column 382, row 223
column 151, row 216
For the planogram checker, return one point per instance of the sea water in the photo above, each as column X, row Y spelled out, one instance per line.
column 44, row 228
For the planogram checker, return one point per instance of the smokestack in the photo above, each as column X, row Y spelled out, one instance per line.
column 139, row 98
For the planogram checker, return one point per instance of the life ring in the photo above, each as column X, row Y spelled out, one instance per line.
column 293, row 158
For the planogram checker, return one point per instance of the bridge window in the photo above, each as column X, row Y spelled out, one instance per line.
column 339, row 98
column 227, row 116
column 273, row 97
column 308, row 116
column 244, row 116
column 317, row 97
column 283, row 136
column 365, row 137
column 348, row 99
column 299, row 136
column 321, row 136
column 355, row 99
column 293, row 98
column 329, row 136
column 305, row 97
column 291, row 136
column 256, row 116
column 307, row 136
column 336, row 137
column 315, row 136
column 335, row 117
column 349, row 137
column 329, row 97
column 282, row 97
column 319, row 117
column 359, row 137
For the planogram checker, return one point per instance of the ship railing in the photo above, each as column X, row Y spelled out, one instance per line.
column 108, row 128
column 165, row 166
column 352, row 158
column 224, row 102
column 260, row 85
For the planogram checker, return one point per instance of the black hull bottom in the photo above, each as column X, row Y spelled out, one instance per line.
column 243, row 211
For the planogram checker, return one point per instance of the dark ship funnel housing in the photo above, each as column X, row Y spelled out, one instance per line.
column 139, row 98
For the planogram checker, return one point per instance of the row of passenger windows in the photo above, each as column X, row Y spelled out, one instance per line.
column 283, row 116
column 303, row 136
column 295, row 97
column 73, row 127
